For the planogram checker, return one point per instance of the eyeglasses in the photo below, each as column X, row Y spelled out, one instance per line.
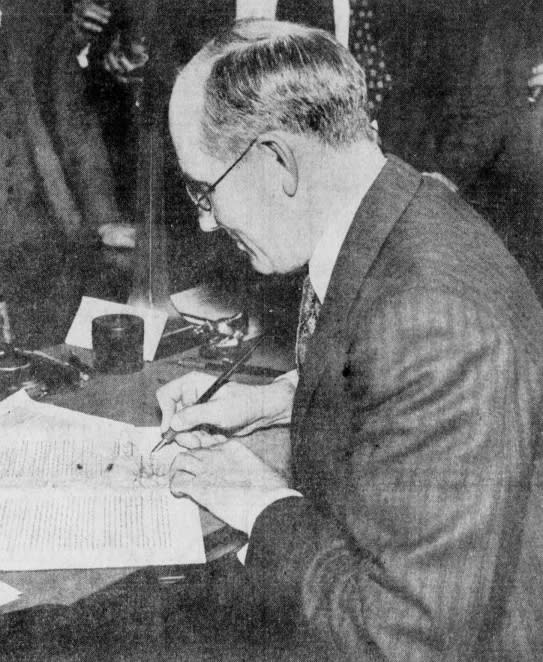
column 201, row 198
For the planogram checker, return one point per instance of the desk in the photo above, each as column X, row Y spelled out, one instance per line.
column 131, row 399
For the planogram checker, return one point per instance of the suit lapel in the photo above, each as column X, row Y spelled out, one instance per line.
column 379, row 211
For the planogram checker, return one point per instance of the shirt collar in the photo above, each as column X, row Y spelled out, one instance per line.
column 327, row 250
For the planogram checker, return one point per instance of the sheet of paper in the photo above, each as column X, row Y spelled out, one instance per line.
column 80, row 491
column 17, row 399
column 22, row 408
column 45, row 529
column 45, row 445
column 80, row 332
column 8, row 593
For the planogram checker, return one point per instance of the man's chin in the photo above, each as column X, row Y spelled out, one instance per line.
column 262, row 265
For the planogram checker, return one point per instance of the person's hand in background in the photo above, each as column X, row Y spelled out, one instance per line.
column 89, row 19
column 535, row 83
column 122, row 60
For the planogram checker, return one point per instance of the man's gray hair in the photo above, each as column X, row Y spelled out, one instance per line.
column 268, row 75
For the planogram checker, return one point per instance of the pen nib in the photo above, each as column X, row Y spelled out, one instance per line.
column 158, row 446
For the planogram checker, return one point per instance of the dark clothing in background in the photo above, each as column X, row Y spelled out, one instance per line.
column 34, row 256
column 430, row 49
column 48, row 256
column 495, row 148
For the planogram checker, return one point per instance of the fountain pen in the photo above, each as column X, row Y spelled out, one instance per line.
column 170, row 434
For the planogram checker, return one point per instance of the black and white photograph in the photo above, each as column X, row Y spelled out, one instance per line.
column 271, row 330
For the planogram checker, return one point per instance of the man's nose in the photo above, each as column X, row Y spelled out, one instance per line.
column 207, row 221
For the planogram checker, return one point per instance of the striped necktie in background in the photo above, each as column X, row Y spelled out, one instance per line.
column 368, row 51
column 307, row 320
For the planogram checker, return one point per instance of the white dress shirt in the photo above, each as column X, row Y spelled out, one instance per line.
column 327, row 250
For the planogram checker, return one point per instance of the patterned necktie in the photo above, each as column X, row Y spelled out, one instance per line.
column 307, row 321
column 368, row 51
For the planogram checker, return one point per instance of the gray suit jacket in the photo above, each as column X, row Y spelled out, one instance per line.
column 415, row 433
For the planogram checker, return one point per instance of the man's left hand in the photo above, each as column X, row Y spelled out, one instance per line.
column 229, row 480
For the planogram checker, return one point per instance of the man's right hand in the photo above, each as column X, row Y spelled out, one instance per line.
column 535, row 82
column 120, row 64
column 237, row 408
column 89, row 19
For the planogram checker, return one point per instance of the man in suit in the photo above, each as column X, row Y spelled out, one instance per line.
column 411, row 529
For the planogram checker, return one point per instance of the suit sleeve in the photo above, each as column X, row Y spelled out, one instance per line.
column 408, row 566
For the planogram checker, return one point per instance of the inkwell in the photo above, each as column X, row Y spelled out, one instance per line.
column 14, row 367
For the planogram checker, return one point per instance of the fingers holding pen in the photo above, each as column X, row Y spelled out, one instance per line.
column 196, row 439
column 210, row 414
column 182, row 392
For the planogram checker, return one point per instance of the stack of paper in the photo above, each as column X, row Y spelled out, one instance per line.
column 79, row 491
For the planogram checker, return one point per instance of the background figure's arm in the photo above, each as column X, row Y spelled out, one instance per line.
column 435, row 467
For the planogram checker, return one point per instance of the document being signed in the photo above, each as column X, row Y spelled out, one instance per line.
column 79, row 491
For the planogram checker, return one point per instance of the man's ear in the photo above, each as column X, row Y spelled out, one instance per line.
column 283, row 154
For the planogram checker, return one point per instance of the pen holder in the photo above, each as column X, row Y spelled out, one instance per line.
column 117, row 341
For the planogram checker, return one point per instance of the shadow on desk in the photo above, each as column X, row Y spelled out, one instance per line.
column 206, row 617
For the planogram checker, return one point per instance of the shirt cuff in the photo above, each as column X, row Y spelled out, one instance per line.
column 242, row 553
column 291, row 377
